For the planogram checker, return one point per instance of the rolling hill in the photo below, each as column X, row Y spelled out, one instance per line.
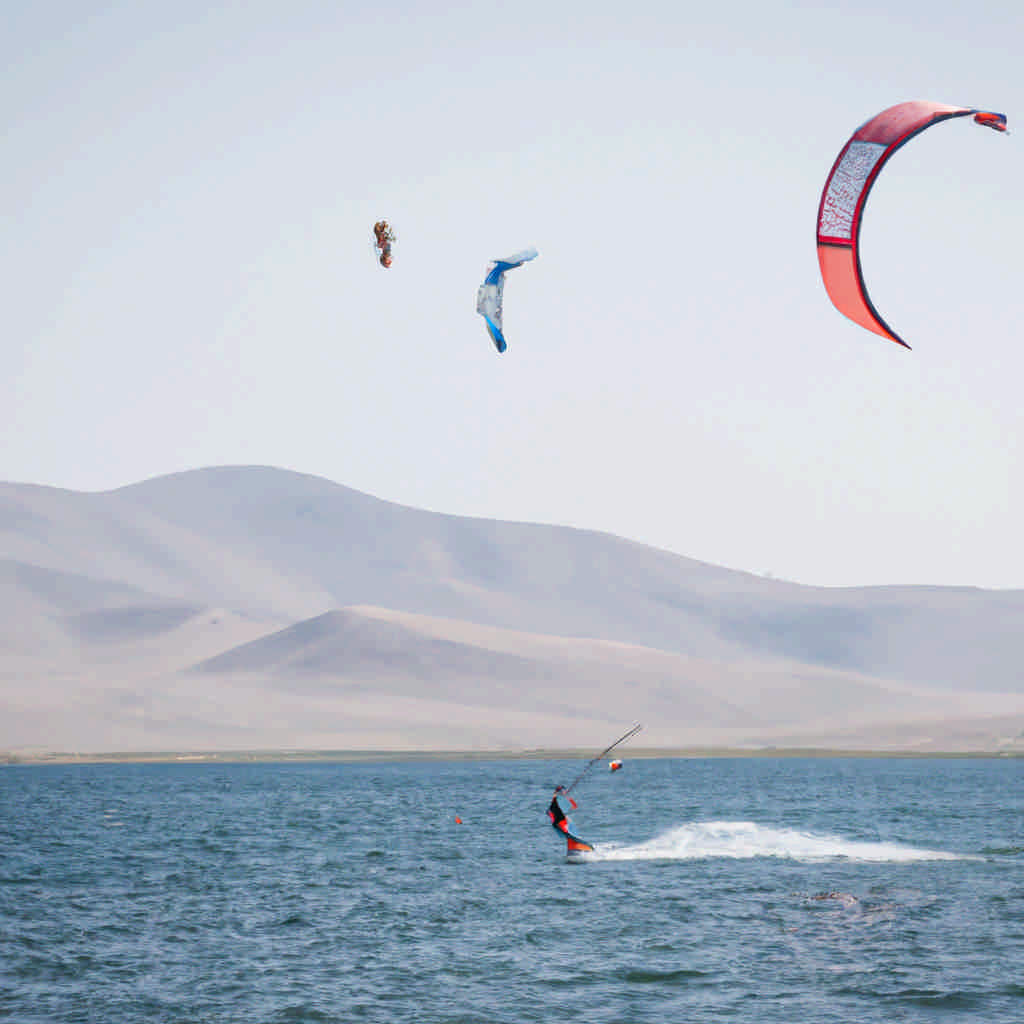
column 252, row 607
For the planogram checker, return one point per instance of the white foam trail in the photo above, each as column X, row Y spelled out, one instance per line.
column 747, row 839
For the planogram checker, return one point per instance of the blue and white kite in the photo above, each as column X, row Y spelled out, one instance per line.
column 488, row 296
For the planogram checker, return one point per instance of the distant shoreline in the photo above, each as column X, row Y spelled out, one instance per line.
column 10, row 758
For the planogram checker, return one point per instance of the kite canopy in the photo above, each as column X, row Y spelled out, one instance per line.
column 846, row 191
column 383, row 240
column 489, row 294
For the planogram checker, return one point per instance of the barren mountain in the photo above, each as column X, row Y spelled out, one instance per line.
column 249, row 607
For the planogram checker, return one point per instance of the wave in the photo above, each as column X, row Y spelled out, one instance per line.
column 747, row 839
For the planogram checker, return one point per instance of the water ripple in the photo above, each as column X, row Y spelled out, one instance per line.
column 762, row 890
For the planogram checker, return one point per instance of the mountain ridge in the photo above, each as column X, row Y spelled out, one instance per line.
column 196, row 584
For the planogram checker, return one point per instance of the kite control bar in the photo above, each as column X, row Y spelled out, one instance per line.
column 594, row 760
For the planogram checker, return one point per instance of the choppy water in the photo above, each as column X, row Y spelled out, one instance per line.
column 785, row 890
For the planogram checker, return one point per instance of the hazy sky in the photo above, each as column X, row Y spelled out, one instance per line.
column 188, row 192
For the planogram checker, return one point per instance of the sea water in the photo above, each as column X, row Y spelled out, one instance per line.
column 769, row 890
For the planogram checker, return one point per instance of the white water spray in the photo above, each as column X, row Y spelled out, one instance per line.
column 747, row 839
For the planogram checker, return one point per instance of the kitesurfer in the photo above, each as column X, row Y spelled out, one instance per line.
column 560, row 823
column 555, row 812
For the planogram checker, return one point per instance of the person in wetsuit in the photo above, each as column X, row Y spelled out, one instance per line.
column 555, row 812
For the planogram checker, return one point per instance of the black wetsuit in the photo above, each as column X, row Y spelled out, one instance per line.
column 555, row 813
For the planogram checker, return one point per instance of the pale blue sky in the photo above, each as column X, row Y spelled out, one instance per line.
column 187, row 202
